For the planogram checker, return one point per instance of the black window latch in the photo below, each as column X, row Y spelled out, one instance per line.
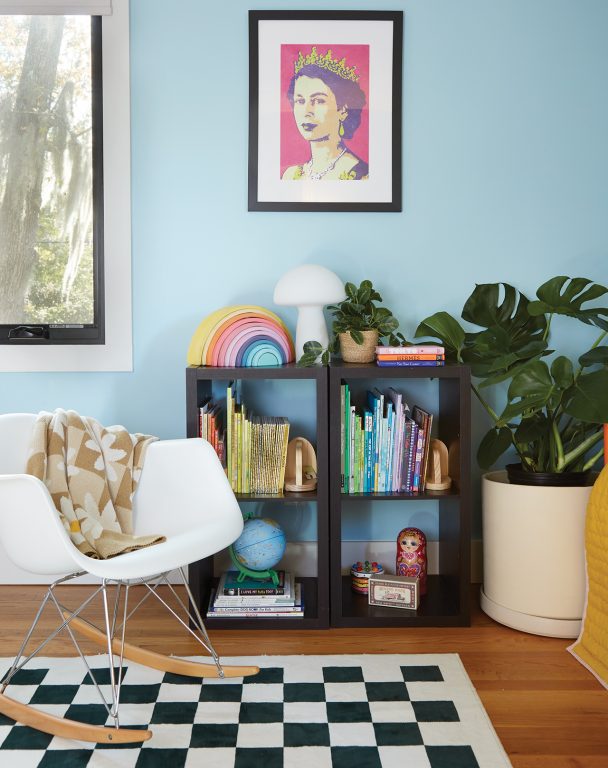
column 28, row 332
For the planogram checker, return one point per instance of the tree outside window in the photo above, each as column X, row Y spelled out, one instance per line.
column 49, row 255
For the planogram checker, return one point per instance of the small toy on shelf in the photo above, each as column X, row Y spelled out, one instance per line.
column 301, row 466
column 437, row 477
column 361, row 573
column 411, row 555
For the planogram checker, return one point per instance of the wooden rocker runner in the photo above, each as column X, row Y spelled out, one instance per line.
column 183, row 493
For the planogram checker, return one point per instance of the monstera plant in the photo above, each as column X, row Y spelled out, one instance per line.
column 555, row 406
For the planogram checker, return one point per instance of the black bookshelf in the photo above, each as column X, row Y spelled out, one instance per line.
column 447, row 600
column 200, row 382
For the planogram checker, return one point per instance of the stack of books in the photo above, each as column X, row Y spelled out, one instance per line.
column 255, row 598
column 256, row 447
column 252, row 448
column 384, row 446
column 427, row 355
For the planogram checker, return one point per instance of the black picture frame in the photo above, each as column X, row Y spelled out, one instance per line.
column 331, row 39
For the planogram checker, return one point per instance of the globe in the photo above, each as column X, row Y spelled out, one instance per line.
column 261, row 545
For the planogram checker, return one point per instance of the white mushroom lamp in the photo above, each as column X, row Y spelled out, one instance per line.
column 309, row 287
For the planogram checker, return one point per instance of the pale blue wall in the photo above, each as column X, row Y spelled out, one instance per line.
column 505, row 170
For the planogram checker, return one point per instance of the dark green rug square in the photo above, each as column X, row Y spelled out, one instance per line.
column 54, row 694
column 28, row 676
column 174, row 712
column 229, row 692
column 174, row 679
column 342, row 674
column 435, row 711
column 355, row 757
column 161, row 758
column 66, row 758
column 428, row 674
column 306, row 735
column 451, row 757
column 93, row 714
column 24, row 737
column 265, row 675
column 304, row 692
column 397, row 734
column 214, row 735
column 256, row 757
column 348, row 712
column 386, row 692
column 261, row 712
column 102, row 676
column 139, row 694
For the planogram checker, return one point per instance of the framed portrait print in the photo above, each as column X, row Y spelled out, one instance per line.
column 325, row 110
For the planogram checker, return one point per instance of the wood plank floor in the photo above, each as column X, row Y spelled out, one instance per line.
column 548, row 711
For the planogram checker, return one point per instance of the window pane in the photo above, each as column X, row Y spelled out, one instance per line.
column 46, row 171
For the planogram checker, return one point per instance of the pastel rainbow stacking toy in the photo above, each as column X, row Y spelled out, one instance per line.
column 244, row 336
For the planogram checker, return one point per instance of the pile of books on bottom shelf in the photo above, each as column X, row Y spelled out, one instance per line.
column 255, row 598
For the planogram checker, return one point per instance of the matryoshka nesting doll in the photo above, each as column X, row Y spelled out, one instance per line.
column 411, row 555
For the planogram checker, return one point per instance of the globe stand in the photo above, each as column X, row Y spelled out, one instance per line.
column 245, row 572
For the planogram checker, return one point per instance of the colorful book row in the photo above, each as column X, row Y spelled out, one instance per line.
column 384, row 447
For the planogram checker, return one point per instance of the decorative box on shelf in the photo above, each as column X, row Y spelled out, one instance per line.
column 394, row 591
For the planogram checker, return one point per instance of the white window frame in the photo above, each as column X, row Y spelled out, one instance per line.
column 116, row 354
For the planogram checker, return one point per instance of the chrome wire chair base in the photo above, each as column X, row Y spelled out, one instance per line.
column 112, row 637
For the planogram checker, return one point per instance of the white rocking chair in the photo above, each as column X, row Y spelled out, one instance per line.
column 183, row 494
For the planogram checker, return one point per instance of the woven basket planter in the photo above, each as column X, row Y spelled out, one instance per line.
column 358, row 353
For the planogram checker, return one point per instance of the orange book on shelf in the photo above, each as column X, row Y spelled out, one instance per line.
column 409, row 357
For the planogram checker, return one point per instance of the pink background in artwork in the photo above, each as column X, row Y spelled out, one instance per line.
column 294, row 149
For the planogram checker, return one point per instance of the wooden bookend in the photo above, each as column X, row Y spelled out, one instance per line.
column 301, row 466
column 437, row 478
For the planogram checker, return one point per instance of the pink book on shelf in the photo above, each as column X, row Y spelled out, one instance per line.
column 424, row 349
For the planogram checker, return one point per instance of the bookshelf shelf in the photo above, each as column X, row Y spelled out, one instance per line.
column 447, row 600
column 204, row 382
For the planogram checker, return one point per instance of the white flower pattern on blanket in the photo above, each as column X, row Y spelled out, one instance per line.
column 91, row 472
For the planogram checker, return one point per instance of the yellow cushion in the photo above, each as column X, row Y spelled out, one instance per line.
column 591, row 648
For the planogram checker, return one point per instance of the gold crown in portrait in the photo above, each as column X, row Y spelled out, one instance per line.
column 338, row 67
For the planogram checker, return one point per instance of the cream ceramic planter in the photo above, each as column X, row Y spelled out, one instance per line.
column 534, row 555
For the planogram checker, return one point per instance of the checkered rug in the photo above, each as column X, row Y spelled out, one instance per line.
column 363, row 711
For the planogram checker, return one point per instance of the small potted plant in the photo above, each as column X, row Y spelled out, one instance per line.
column 358, row 324
column 553, row 416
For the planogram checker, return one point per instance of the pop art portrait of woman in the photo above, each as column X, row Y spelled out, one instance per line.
column 325, row 110
column 325, row 134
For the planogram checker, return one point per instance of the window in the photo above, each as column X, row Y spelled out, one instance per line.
column 81, row 280
column 51, row 206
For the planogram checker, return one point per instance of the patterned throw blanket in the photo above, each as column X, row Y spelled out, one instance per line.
column 91, row 472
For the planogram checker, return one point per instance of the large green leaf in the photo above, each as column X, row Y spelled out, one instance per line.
column 534, row 428
column 444, row 327
column 596, row 356
column 587, row 400
column 529, row 391
column 564, row 295
column 484, row 308
column 511, row 336
column 493, row 445
column 562, row 372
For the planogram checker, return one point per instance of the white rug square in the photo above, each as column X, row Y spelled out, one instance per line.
column 392, row 712
column 268, row 692
column 252, row 735
column 305, row 712
column 352, row 735
column 395, row 757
